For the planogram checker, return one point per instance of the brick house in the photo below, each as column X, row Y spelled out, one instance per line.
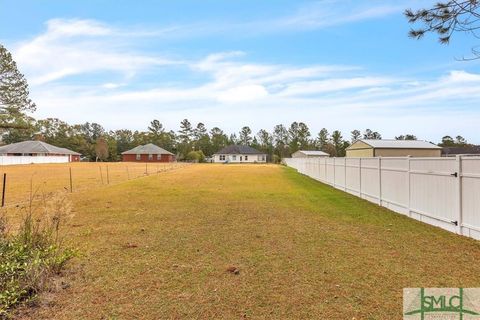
column 148, row 153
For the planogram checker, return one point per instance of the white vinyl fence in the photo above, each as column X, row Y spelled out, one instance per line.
column 9, row 160
column 443, row 192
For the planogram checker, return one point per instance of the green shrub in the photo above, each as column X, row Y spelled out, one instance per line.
column 31, row 256
column 195, row 156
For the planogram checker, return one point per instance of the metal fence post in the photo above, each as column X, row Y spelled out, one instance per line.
column 458, row 169
column 101, row 174
column 108, row 176
column 4, row 187
column 71, row 183
column 128, row 173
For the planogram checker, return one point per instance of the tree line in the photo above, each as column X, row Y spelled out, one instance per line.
column 94, row 142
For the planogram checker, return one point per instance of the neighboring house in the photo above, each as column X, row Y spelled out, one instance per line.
column 393, row 148
column 453, row 151
column 309, row 154
column 239, row 154
column 37, row 152
column 148, row 153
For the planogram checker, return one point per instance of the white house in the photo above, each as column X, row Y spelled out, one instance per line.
column 310, row 154
column 239, row 154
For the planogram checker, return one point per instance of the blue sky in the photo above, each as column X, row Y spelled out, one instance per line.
column 338, row 64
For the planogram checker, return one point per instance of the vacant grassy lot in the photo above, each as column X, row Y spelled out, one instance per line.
column 160, row 247
column 45, row 178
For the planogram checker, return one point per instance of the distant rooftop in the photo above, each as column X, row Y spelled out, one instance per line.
column 147, row 149
column 35, row 147
column 239, row 149
column 399, row 144
column 314, row 153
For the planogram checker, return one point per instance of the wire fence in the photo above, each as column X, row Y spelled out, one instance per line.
column 21, row 181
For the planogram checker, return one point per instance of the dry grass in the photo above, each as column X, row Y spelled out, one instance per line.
column 47, row 178
column 167, row 246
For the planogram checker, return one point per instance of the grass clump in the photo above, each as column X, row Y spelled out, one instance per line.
column 33, row 253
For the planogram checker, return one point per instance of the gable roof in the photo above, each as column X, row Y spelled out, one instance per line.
column 35, row 147
column 239, row 149
column 398, row 144
column 314, row 153
column 149, row 148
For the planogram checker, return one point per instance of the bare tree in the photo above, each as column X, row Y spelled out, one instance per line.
column 101, row 149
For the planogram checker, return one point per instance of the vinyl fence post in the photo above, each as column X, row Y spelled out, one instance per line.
column 3, row 189
column 380, row 181
column 409, row 198
column 325, row 167
column 334, row 171
column 345, row 174
column 459, row 209
column 71, row 183
column 360, row 176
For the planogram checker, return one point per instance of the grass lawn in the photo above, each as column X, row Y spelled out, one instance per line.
column 44, row 178
column 159, row 248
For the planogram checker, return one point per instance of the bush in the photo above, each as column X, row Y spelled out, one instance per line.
column 195, row 156
column 31, row 256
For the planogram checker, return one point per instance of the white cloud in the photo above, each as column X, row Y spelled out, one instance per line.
column 77, row 47
column 229, row 90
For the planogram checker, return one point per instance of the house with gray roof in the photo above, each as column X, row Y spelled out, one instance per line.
column 239, row 154
column 38, row 149
column 148, row 153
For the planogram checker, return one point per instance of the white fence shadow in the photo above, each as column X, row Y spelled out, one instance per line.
column 443, row 192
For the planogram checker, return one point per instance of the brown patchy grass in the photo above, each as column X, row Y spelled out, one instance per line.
column 46, row 178
column 161, row 248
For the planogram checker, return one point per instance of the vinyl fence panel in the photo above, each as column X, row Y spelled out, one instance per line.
column 443, row 192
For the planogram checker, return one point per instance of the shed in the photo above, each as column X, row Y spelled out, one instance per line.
column 310, row 154
column 148, row 153
column 393, row 148
column 239, row 154
column 39, row 149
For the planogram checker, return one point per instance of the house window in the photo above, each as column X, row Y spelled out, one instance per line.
column 234, row 157
column 138, row 157
column 222, row 157
column 261, row 158
column 159, row 157
column 150, row 157
column 246, row 158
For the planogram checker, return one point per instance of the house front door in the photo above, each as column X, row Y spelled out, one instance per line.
column 240, row 158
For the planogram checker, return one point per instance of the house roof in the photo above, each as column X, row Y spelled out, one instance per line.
column 239, row 149
column 147, row 149
column 314, row 153
column 35, row 147
column 470, row 149
column 398, row 144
